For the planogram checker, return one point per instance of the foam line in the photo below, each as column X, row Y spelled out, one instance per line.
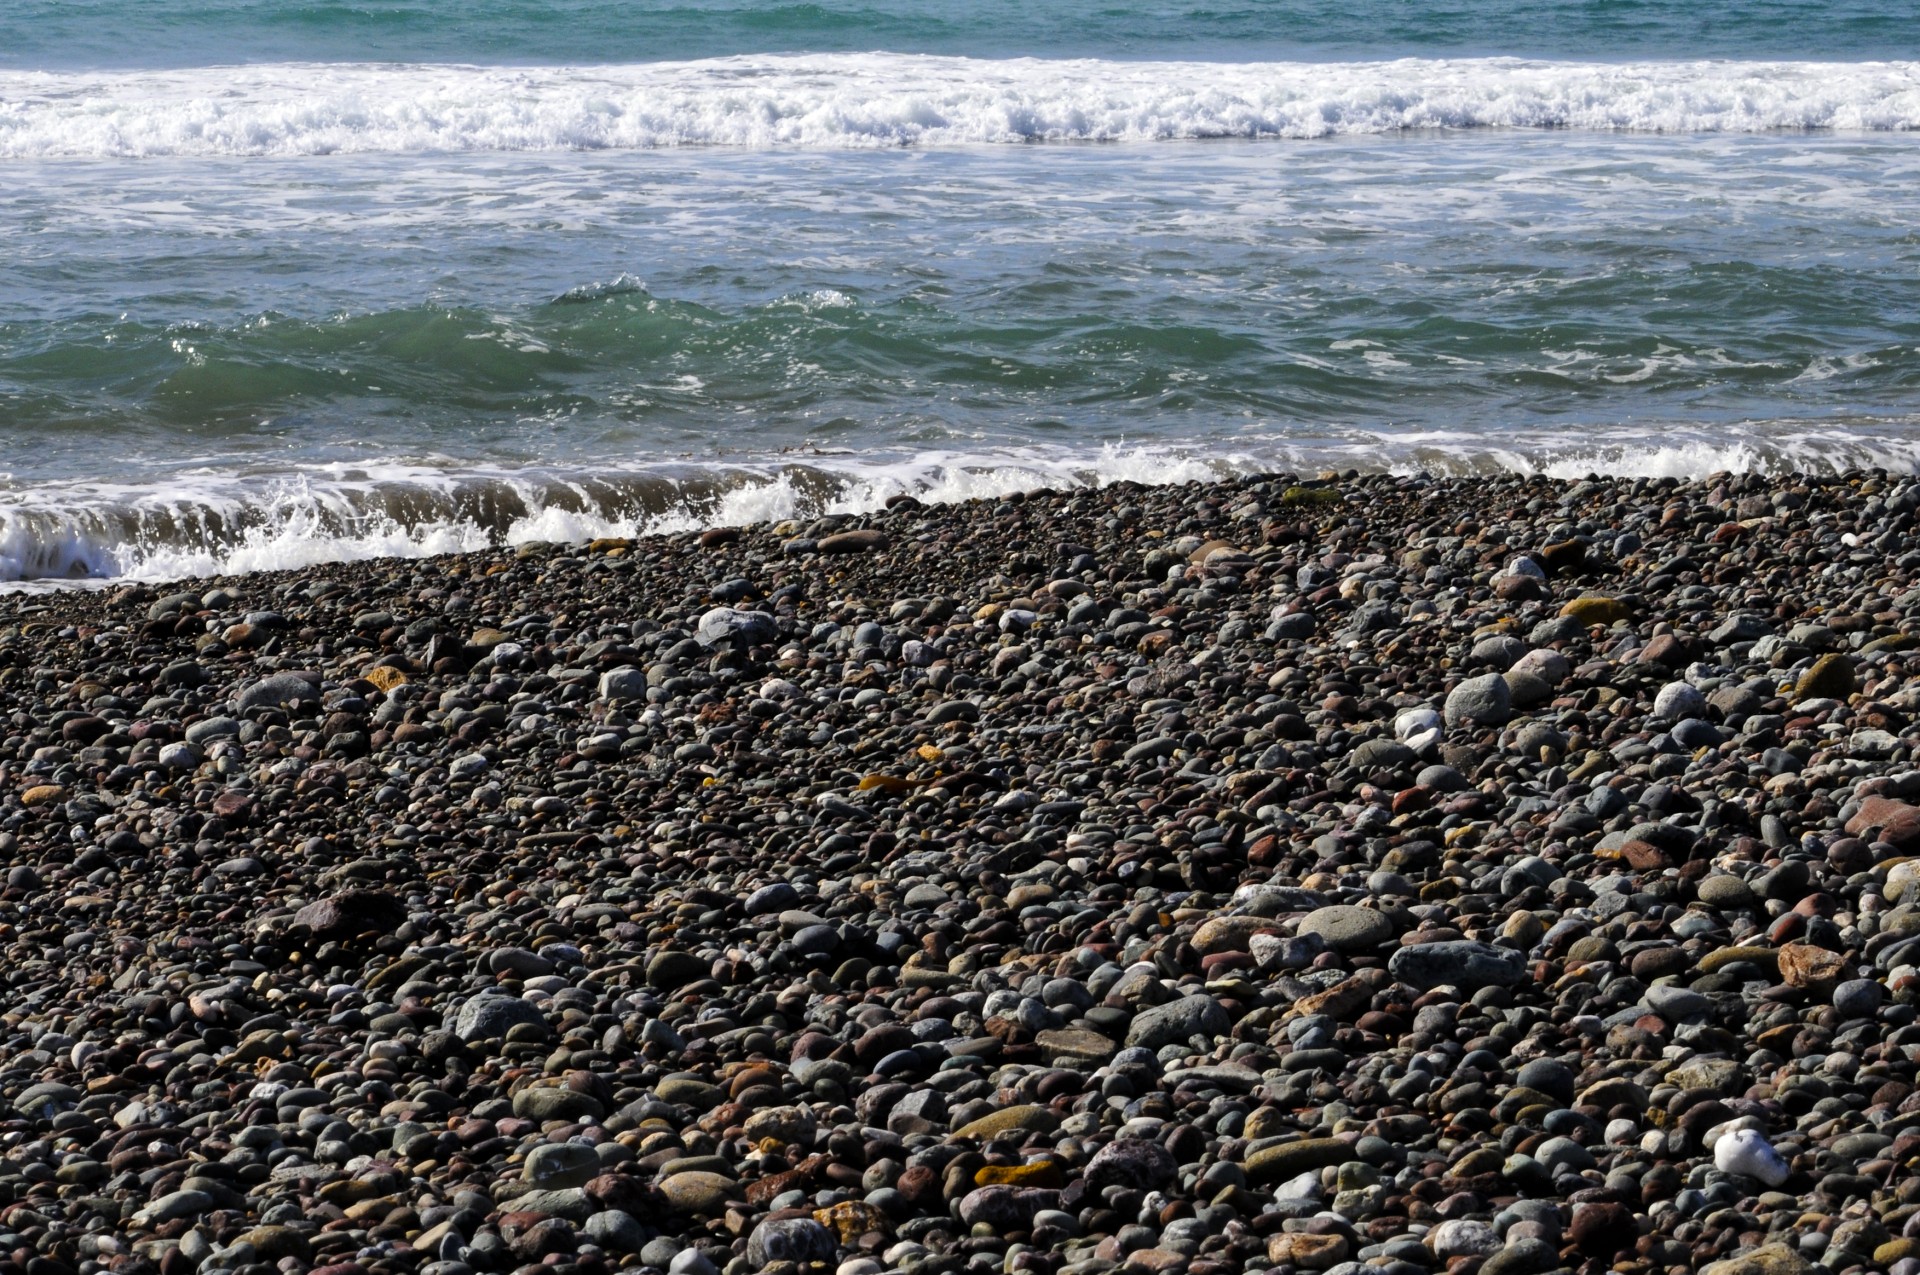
column 893, row 100
column 217, row 524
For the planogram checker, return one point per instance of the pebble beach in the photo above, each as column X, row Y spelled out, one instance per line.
column 1377, row 875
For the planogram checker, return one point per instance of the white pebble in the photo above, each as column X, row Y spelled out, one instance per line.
column 1747, row 1151
column 1304, row 1187
column 1678, row 701
column 1415, row 721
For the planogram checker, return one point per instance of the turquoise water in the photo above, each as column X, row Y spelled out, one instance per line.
column 130, row 33
column 292, row 282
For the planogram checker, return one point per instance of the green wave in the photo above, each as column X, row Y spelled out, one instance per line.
column 1699, row 341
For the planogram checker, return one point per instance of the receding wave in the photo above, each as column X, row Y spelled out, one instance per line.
column 892, row 100
column 614, row 361
column 210, row 523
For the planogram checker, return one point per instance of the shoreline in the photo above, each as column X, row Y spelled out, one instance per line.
column 1497, row 874
column 212, row 526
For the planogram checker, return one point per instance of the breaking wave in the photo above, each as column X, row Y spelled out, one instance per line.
column 891, row 100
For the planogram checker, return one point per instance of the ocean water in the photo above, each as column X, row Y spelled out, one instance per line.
column 295, row 282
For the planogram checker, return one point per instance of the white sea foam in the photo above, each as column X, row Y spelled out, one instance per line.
column 886, row 100
column 210, row 523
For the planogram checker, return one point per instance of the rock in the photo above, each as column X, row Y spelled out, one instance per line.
column 1745, row 953
column 1747, row 1152
column 1417, row 727
column 1679, row 700
column 627, row 1194
column 1892, row 1251
column 567, row 1202
column 1768, row 1259
column 1590, row 611
column 41, row 1101
column 689, row 1091
column 468, row 766
column 1804, row 965
column 1895, row 822
column 518, row 962
column 1008, row 1119
column 174, row 1204
column 1348, row 929
column 1463, row 964
column 1677, row 1004
column 1177, row 1022
column 1036, row 1173
column 1725, row 891
column 1602, row 1229
column 1856, row 998
column 729, row 624
column 1462, row 1237
column 543, row 1104
column 1290, row 1159
column 351, row 913
column 210, row 729
column 278, row 691
column 615, row 1231
column 1500, row 650
column 1133, row 1164
column 857, row 541
column 1297, row 626
column 487, row 1017
column 1480, row 701
column 696, row 1191
column 1075, row 1043
column 1524, row 1256
column 1005, row 1208
column 1548, row 1076
column 1831, row 677
column 781, row 1124
column 851, row 1219
column 1227, row 933
column 1307, row 1252
column 774, row 898
column 1717, row 1075
column 1616, row 1091
column 671, row 970
column 1546, row 664
column 275, row 1242
column 625, row 683
column 561, row 1164
column 1382, row 755
column 1744, row 627
column 791, row 1239
column 181, row 756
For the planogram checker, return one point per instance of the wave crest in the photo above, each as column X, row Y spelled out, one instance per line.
column 892, row 100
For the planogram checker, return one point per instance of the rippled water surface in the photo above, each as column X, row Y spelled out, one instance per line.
column 574, row 268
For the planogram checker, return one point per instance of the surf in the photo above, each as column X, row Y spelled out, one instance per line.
column 885, row 100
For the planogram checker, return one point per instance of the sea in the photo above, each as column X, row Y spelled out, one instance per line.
column 293, row 281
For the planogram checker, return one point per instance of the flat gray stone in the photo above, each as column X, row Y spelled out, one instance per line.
column 1176, row 1022
column 1480, row 701
column 1347, row 928
column 278, row 691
